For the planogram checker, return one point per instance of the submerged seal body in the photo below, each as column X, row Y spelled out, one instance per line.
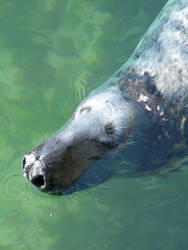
column 136, row 123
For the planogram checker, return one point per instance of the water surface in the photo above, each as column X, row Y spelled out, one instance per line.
column 52, row 53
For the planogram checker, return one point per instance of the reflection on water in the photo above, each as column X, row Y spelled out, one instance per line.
column 53, row 53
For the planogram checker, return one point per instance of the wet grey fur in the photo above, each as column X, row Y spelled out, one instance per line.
column 163, row 52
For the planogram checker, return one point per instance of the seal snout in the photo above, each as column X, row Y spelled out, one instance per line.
column 34, row 171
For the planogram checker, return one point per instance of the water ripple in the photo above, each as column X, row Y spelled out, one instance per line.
column 12, row 187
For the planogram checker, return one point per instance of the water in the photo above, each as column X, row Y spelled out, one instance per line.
column 52, row 53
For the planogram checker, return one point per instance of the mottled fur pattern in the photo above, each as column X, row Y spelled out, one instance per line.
column 163, row 53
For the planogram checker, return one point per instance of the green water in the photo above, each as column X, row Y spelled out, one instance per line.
column 52, row 53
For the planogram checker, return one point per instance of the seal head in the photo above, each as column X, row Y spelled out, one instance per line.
column 102, row 122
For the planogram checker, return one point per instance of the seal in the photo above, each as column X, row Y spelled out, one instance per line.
column 136, row 123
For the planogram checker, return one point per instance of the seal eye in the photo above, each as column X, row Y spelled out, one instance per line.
column 109, row 129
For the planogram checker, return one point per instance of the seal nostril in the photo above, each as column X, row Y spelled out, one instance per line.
column 38, row 181
column 23, row 162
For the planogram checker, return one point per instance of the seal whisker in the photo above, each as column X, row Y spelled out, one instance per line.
column 98, row 187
